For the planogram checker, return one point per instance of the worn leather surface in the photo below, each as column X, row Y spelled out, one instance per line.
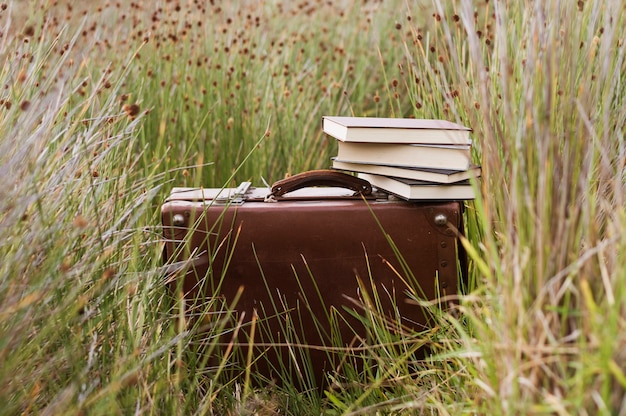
column 294, row 263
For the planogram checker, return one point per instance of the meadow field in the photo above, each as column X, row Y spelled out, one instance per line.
column 106, row 105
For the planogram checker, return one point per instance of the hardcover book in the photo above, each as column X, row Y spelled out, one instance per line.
column 423, row 174
column 395, row 130
column 452, row 157
column 420, row 190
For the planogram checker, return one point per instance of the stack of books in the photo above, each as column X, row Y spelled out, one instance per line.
column 415, row 159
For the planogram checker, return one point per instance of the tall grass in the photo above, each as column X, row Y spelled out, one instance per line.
column 105, row 106
column 541, row 83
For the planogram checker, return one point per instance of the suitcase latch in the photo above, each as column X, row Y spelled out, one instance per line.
column 237, row 196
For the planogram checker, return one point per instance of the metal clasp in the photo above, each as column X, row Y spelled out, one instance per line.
column 237, row 196
column 441, row 220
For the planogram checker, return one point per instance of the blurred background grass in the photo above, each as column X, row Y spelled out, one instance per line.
column 106, row 106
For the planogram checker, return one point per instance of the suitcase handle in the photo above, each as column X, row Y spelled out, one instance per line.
column 321, row 177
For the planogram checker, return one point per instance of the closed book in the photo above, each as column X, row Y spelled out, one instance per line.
column 421, row 174
column 395, row 130
column 453, row 157
column 419, row 190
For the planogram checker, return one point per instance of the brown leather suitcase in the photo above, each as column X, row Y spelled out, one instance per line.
column 296, row 263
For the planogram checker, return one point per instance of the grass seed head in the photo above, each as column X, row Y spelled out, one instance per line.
column 132, row 110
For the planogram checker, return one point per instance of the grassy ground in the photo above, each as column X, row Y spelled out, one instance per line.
column 106, row 106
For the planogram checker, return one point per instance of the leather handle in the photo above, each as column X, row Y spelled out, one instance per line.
column 322, row 177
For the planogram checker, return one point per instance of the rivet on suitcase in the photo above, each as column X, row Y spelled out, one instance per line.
column 290, row 259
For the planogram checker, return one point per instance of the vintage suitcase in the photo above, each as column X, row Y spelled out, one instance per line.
column 296, row 263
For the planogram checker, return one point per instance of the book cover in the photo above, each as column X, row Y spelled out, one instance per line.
column 422, row 174
column 452, row 157
column 420, row 190
column 395, row 130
